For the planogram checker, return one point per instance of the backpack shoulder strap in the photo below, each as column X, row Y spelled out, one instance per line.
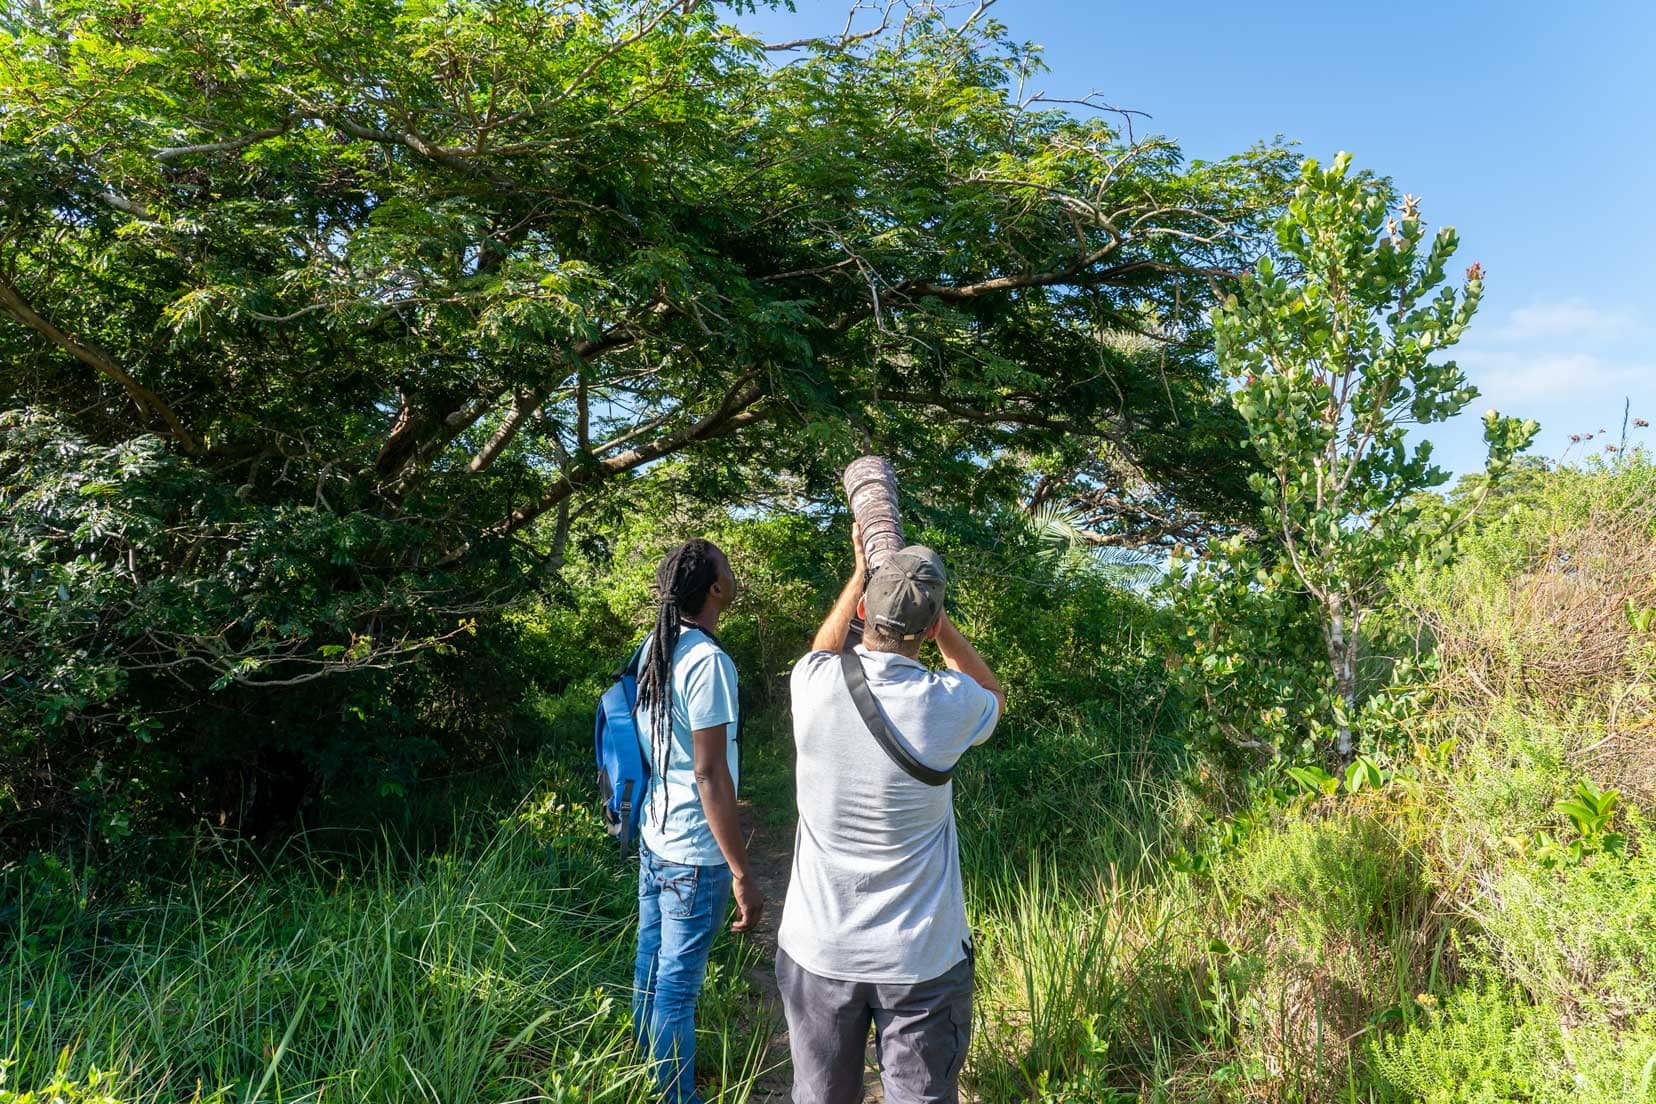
column 856, row 680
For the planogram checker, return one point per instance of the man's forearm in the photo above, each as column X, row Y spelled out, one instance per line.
column 831, row 636
column 717, row 791
column 726, row 823
column 959, row 655
column 718, row 798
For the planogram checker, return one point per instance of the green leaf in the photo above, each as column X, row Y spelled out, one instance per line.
column 1313, row 779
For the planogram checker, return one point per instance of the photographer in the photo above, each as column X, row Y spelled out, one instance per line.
column 874, row 926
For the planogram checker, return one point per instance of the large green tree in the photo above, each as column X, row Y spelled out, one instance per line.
column 416, row 283
column 417, row 243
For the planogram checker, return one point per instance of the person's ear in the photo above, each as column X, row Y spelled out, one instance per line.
column 936, row 627
column 861, row 610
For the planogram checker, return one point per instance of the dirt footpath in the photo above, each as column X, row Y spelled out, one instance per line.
column 770, row 851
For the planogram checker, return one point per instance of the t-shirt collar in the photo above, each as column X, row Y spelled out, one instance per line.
column 890, row 659
column 689, row 626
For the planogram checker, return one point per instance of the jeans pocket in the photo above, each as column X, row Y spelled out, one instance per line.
column 678, row 889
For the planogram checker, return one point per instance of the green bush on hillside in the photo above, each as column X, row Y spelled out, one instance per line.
column 1335, row 880
column 64, row 1090
column 155, row 672
column 1476, row 1050
column 1582, row 936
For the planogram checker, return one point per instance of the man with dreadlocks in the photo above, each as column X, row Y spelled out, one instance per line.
column 691, row 853
column 874, row 930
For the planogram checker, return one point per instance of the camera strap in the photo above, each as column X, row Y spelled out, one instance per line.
column 856, row 680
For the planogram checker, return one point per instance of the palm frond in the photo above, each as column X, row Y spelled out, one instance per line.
column 1068, row 545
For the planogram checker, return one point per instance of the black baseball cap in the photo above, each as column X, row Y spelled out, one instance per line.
column 905, row 593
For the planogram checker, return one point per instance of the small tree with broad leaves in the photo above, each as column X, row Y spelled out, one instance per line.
column 1333, row 354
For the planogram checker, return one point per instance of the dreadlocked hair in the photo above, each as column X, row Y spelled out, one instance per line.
column 682, row 581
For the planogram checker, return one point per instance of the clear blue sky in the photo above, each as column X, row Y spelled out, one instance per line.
column 1530, row 127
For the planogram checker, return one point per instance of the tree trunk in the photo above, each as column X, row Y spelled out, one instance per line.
column 1342, row 656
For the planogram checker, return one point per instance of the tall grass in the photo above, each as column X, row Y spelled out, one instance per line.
column 1410, row 943
column 498, row 972
column 1110, row 972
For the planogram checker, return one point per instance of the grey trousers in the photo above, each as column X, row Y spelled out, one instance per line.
column 921, row 1034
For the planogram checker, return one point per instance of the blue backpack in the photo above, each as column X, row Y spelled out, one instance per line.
column 623, row 772
column 623, row 769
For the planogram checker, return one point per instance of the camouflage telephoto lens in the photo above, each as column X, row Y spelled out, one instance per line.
column 871, row 488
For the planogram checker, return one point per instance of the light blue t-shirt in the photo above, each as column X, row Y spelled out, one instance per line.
column 704, row 696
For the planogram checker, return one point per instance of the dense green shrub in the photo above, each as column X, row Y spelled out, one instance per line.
column 62, row 1089
column 1064, row 643
column 1577, row 935
column 176, row 650
column 1250, row 657
column 1338, row 879
column 1487, row 1043
column 1476, row 1050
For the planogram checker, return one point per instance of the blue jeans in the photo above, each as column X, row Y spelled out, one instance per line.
column 679, row 909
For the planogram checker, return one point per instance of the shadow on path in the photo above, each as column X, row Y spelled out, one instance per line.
column 770, row 851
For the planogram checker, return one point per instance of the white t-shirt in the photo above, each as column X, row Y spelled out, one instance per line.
column 704, row 695
column 875, row 894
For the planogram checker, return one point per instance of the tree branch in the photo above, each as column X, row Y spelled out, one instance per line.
column 418, row 439
column 173, row 153
column 1116, row 434
column 583, row 414
column 122, row 203
column 633, row 434
column 1076, row 273
column 528, row 401
column 734, row 412
column 148, row 402
column 846, row 38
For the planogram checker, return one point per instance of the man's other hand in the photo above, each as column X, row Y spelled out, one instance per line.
column 750, row 903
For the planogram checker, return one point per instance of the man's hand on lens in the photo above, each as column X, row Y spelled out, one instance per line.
column 861, row 569
column 750, row 903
